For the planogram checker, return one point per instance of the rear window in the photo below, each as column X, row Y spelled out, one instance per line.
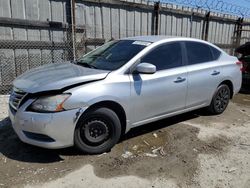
column 198, row 53
column 245, row 58
column 216, row 53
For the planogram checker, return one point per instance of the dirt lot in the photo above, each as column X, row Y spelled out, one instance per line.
column 190, row 150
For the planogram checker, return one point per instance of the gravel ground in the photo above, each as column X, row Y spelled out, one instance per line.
column 190, row 150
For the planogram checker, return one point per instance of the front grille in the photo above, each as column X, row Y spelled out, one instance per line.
column 16, row 98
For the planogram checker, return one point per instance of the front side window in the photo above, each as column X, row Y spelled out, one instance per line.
column 166, row 56
column 112, row 55
column 198, row 53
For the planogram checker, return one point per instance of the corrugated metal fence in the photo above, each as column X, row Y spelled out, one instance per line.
column 33, row 33
column 116, row 19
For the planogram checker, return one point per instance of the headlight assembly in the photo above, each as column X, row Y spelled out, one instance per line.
column 49, row 103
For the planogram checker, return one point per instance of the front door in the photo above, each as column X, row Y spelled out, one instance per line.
column 164, row 91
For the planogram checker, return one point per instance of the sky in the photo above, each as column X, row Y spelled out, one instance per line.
column 236, row 7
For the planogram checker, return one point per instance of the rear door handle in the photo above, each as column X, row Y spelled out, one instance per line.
column 180, row 79
column 215, row 73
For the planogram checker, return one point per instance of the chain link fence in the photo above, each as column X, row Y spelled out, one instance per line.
column 19, row 56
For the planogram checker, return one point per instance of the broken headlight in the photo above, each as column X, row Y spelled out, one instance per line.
column 49, row 103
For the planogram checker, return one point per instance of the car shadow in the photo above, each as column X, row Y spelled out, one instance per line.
column 151, row 127
column 12, row 148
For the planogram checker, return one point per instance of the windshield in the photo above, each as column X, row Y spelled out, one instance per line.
column 112, row 55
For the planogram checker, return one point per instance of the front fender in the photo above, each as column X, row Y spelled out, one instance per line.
column 89, row 94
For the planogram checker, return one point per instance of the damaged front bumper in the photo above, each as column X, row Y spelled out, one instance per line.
column 47, row 130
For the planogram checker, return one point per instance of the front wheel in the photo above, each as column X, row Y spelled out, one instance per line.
column 220, row 100
column 97, row 131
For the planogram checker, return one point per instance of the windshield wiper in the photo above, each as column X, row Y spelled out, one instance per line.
column 85, row 65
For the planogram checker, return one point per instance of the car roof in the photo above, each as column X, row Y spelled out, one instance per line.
column 149, row 38
column 156, row 38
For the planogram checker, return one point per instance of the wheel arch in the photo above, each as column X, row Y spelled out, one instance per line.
column 114, row 106
column 229, row 83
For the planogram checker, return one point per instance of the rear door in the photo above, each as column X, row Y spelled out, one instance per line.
column 204, row 73
column 164, row 91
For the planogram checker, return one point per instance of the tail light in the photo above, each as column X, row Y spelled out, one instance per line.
column 240, row 64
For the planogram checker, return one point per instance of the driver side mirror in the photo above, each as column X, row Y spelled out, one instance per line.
column 146, row 68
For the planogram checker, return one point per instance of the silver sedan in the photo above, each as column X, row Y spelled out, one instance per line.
column 123, row 84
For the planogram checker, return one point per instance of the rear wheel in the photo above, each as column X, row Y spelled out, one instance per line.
column 220, row 100
column 97, row 131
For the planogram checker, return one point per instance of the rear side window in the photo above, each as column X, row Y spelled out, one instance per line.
column 164, row 57
column 215, row 52
column 198, row 53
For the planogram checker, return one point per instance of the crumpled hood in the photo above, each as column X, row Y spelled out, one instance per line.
column 56, row 76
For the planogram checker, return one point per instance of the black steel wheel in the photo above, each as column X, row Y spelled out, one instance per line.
column 220, row 100
column 97, row 131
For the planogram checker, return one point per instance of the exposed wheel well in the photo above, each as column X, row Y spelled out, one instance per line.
column 116, row 107
column 230, row 85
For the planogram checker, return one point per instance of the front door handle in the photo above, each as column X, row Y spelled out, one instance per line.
column 179, row 80
column 215, row 73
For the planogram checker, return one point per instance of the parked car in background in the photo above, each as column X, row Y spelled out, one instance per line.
column 123, row 84
column 244, row 50
column 245, row 71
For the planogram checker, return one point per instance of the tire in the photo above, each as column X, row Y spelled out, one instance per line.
column 97, row 131
column 220, row 100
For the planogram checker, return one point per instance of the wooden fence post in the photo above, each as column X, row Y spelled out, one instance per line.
column 237, row 35
column 156, row 18
column 70, row 14
column 205, row 28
